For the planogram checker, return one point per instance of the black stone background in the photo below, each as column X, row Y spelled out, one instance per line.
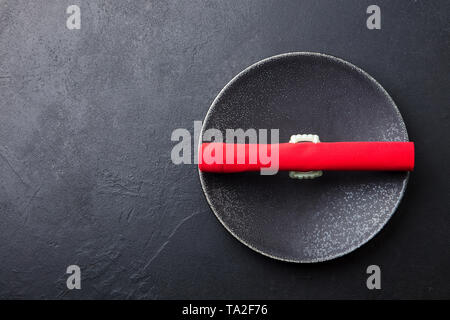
column 85, row 123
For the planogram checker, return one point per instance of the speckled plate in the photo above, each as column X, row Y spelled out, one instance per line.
column 306, row 220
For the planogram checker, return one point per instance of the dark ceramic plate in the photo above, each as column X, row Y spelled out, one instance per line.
column 306, row 220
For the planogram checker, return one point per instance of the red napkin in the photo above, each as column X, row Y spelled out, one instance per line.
column 307, row 156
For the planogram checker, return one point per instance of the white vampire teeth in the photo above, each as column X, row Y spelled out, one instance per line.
column 296, row 138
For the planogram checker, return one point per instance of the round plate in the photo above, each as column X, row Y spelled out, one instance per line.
column 306, row 220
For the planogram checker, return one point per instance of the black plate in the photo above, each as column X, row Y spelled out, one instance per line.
column 306, row 220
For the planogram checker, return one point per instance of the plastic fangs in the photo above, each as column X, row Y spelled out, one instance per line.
column 296, row 138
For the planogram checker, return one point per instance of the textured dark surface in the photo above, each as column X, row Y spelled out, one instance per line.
column 85, row 125
column 319, row 219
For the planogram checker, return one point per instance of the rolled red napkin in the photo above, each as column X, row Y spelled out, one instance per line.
column 379, row 156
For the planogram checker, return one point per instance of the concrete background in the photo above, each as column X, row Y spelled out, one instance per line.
column 85, row 123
